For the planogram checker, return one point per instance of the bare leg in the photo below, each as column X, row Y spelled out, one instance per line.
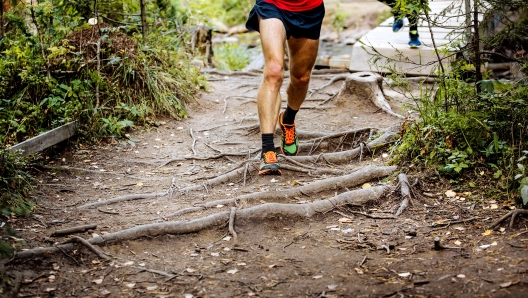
column 272, row 36
column 303, row 52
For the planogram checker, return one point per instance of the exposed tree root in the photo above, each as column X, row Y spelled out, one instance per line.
column 73, row 230
column 343, row 133
column 330, row 83
column 405, row 191
column 88, row 245
column 88, row 171
column 232, row 223
column 347, row 181
column 215, row 181
column 345, row 156
column 124, row 198
column 512, row 214
column 354, row 198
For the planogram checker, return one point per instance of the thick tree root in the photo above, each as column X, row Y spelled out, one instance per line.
column 330, row 83
column 345, row 156
column 359, row 177
column 512, row 214
column 405, row 191
column 354, row 198
column 235, row 174
column 92, row 248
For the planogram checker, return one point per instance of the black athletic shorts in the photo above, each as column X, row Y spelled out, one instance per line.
column 305, row 24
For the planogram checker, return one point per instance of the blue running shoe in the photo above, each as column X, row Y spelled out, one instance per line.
column 415, row 39
column 397, row 26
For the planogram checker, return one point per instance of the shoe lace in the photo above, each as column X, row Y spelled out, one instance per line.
column 289, row 134
column 270, row 157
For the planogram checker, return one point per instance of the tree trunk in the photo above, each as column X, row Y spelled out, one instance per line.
column 143, row 19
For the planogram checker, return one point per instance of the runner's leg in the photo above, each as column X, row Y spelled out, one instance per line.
column 303, row 52
column 272, row 36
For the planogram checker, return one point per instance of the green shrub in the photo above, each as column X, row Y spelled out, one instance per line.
column 15, row 187
column 230, row 56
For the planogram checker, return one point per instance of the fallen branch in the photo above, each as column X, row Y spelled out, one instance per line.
column 405, row 191
column 73, row 230
column 92, row 248
column 439, row 246
column 512, row 214
column 271, row 210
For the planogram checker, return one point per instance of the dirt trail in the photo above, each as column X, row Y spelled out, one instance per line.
column 350, row 250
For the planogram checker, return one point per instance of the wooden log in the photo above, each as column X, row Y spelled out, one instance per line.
column 46, row 139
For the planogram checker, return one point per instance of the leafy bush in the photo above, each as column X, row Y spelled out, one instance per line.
column 15, row 187
column 230, row 56
column 471, row 130
column 53, row 76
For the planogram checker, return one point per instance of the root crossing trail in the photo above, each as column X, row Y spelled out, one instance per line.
column 183, row 213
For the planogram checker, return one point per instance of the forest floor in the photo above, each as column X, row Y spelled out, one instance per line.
column 355, row 247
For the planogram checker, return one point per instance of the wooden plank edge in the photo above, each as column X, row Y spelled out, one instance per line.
column 46, row 139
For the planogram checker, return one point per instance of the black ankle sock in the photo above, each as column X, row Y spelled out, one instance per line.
column 289, row 115
column 267, row 143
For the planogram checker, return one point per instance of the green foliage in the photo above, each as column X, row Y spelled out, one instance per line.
column 339, row 19
column 15, row 187
column 230, row 12
column 51, row 76
column 230, row 56
column 474, row 129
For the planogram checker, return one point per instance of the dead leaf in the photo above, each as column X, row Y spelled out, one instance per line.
column 272, row 266
column 345, row 220
column 494, row 206
column 190, row 270
column 227, row 238
column 458, row 243
column 494, row 243
column 317, row 277
column 233, row 271
column 487, row 233
column 151, row 288
column 502, row 230
column 97, row 281
column 450, row 194
column 358, row 270
column 56, row 266
column 139, row 183
column 404, row 274
column 332, row 287
column 241, row 264
column 49, row 290
column 129, row 263
column 51, row 278
column 506, row 284
column 131, row 285
column 215, row 254
column 461, row 276
column 366, row 185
